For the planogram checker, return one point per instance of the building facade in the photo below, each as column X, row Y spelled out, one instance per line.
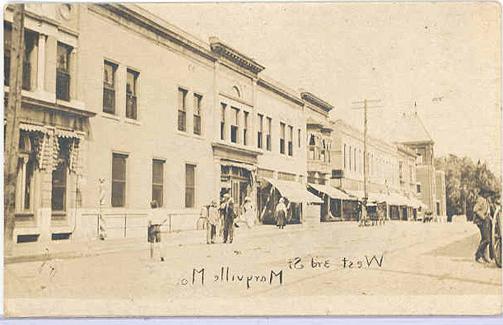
column 106, row 132
column 412, row 133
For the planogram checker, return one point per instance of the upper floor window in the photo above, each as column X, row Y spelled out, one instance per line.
column 260, row 132
column 245, row 128
column 109, row 71
column 290, row 140
column 299, row 138
column 131, row 94
column 63, row 75
column 312, row 147
column 235, row 125
column 282, row 138
column 349, row 155
column 222, row 121
column 198, row 99
column 29, row 57
column 268, row 140
column 418, row 188
column 182, row 110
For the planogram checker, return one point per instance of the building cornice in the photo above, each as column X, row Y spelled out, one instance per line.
column 157, row 26
column 316, row 101
column 269, row 85
column 234, row 56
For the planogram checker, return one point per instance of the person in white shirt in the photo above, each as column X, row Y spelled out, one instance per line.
column 156, row 219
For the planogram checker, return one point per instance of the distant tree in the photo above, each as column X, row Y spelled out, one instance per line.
column 463, row 179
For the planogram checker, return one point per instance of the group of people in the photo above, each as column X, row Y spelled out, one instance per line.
column 222, row 219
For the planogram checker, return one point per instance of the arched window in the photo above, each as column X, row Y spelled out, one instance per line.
column 236, row 91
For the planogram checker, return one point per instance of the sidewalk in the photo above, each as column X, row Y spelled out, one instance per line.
column 30, row 252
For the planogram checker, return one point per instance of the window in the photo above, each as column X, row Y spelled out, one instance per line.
column 63, row 72
column 282, row 138
column 260, row 131
column 290, row 140
column 245, row 128
column 157, row 181
column 268, row 140
column 418, row 188
column 222, row 121
column 235, row 125
column 299, row 138
column 312, row 147
column 349, row 155
column 345, row 156
column 190, row 185
column 58, row 198
column 198, row 99
column 322, row 151
column 131, row 94
column 109, row 87
column 182, row 110
column 26, row 168
column 354, row 161
column 119, row 180
column 7, row 43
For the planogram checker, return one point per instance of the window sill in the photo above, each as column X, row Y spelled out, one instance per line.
column 110, row 116
column 132, row 121
column 189, row 135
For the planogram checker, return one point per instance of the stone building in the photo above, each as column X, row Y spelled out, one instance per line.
column 54, row 122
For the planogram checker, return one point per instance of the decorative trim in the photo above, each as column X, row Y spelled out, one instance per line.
column 318, row 102
column 234, row 56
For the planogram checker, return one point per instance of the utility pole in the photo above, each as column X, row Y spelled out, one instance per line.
column 365, row 108
column 11, row 145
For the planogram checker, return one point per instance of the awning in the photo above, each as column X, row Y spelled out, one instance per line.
column 398, row 199
column 293, row 191
column 333, row 192
column 67, row 134
column 372, row 197
column 416, row 203
column 32, row 127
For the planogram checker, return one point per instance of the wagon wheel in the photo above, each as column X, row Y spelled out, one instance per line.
column 496, row 236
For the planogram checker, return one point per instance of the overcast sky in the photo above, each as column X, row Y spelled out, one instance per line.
column 444, row 56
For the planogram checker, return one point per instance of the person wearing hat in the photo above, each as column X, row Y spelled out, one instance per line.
column 281, row 213
column 228, row 216
column 481, row 217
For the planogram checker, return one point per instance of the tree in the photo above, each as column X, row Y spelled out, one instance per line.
column 463, row 179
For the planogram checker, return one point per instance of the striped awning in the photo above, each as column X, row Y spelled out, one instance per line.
column 67, row 134
column 32, row 127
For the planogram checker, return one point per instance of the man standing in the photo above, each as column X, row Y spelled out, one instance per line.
column 482, row 219
column 228, row 214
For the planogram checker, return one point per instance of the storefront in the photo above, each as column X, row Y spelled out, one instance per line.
column 297, row 198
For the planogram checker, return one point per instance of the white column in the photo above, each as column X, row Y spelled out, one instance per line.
column 41, row 62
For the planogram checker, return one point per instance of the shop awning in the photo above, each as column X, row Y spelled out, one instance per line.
column 293, row 191
column 416, row 203
column 333, row 192
column 372, row 197
column 399, row 200
column 32, row 127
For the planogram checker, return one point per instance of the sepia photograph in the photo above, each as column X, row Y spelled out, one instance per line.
column 252, row 159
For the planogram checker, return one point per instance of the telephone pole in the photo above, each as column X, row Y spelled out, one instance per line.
column 11, row 145
column 365, row 108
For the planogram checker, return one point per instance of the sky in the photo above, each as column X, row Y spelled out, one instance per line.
column 445, row 57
